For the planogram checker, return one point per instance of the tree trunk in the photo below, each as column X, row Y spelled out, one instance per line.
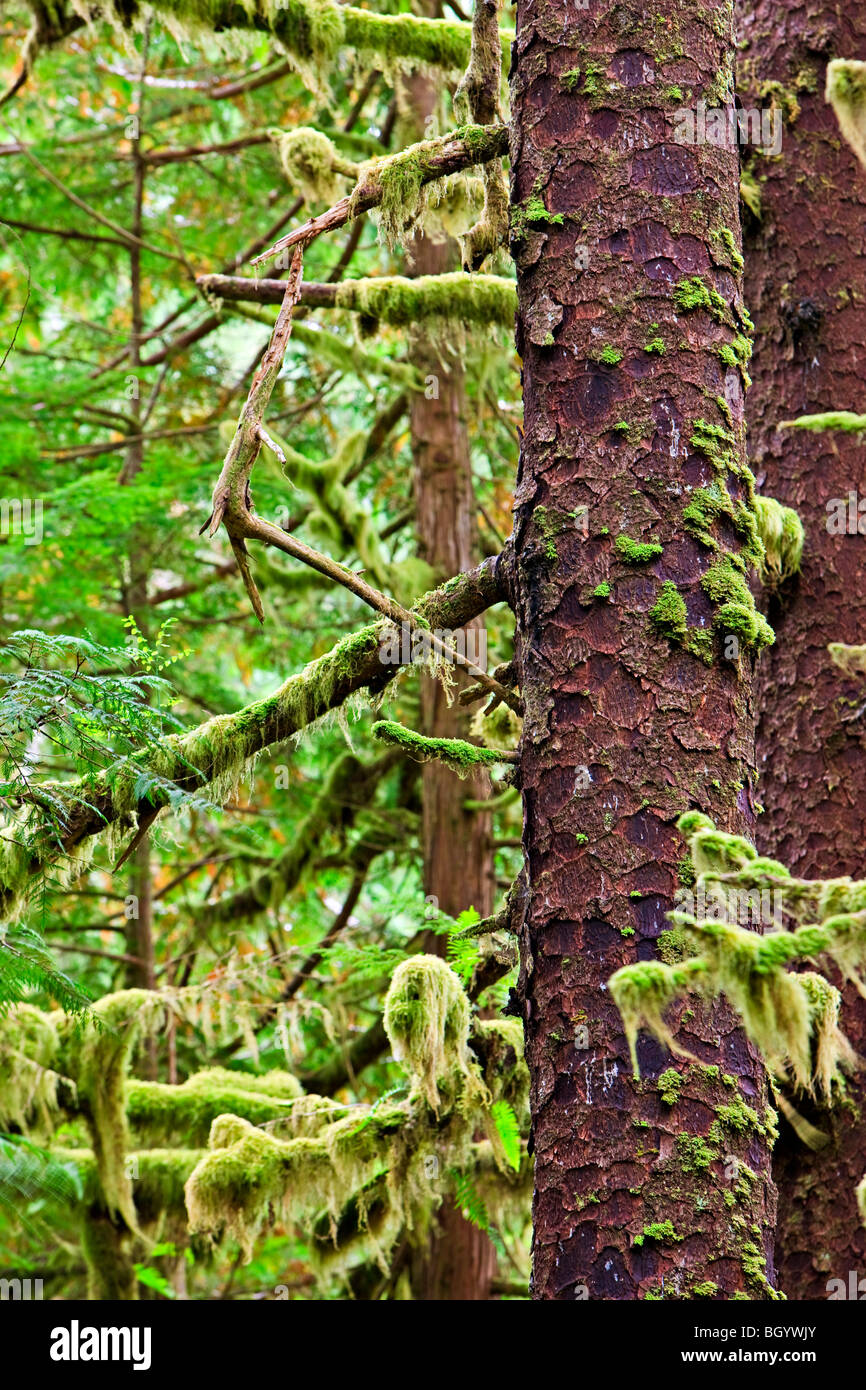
column 625, row 726
column 806, row 286
column 459, row 1262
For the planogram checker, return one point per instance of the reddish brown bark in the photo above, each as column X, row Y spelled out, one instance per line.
column 806, row 288
column 460, row 1261
column 623, row 729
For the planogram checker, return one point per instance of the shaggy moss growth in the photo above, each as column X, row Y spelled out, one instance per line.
column 669, row 611
column 312, row 163
column 792, row 1018
column 782, row 536
column 601, row 590
column 427, row 1022
column 846, row 93
column 162, row 1112
column 456, row 753
column 637, row 552
column 411, row 191
column 478, row 299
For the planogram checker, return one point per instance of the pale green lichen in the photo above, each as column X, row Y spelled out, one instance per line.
column 782, row 536
column 846, row 93
column 792, row 1018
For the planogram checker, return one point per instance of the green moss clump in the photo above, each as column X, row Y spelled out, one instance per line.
column 669, row 1086
column 570, row 79
column 610, row 356
column 655, row 345
column 601, row 590
column 782, row 535
column 729, row 242
column 662, row 1231
column 637, row 552
column 673, row 94
column 737, row 614
column 673, row 946
column 695, row 1155
column 581, row 838
column 708, row 1289
column 530, row 214
column 669, row 611
column 692, row 293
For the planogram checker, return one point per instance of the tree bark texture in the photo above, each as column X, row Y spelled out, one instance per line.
column 625, row 729
column 806, row 288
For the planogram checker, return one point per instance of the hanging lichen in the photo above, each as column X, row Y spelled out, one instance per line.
column 846, row 93
column 782, row 535
column 427, row 1022
column 312, row 164
column 791, row 1017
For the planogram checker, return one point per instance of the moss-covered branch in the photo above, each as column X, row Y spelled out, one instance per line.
column 461, row 757
column 216, row 753
column 394, row 183
column 479, row 300
column 311, row 31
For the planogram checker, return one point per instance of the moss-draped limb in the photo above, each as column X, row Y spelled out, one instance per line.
column 217, row 752
column 396, row 182
column 478, row 300
column 311, row 31
column 161, row 1114
column 369, row 1171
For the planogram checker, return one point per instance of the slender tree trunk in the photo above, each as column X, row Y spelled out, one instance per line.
column 459, row 1263
column 624, row 729
column 806, row 287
